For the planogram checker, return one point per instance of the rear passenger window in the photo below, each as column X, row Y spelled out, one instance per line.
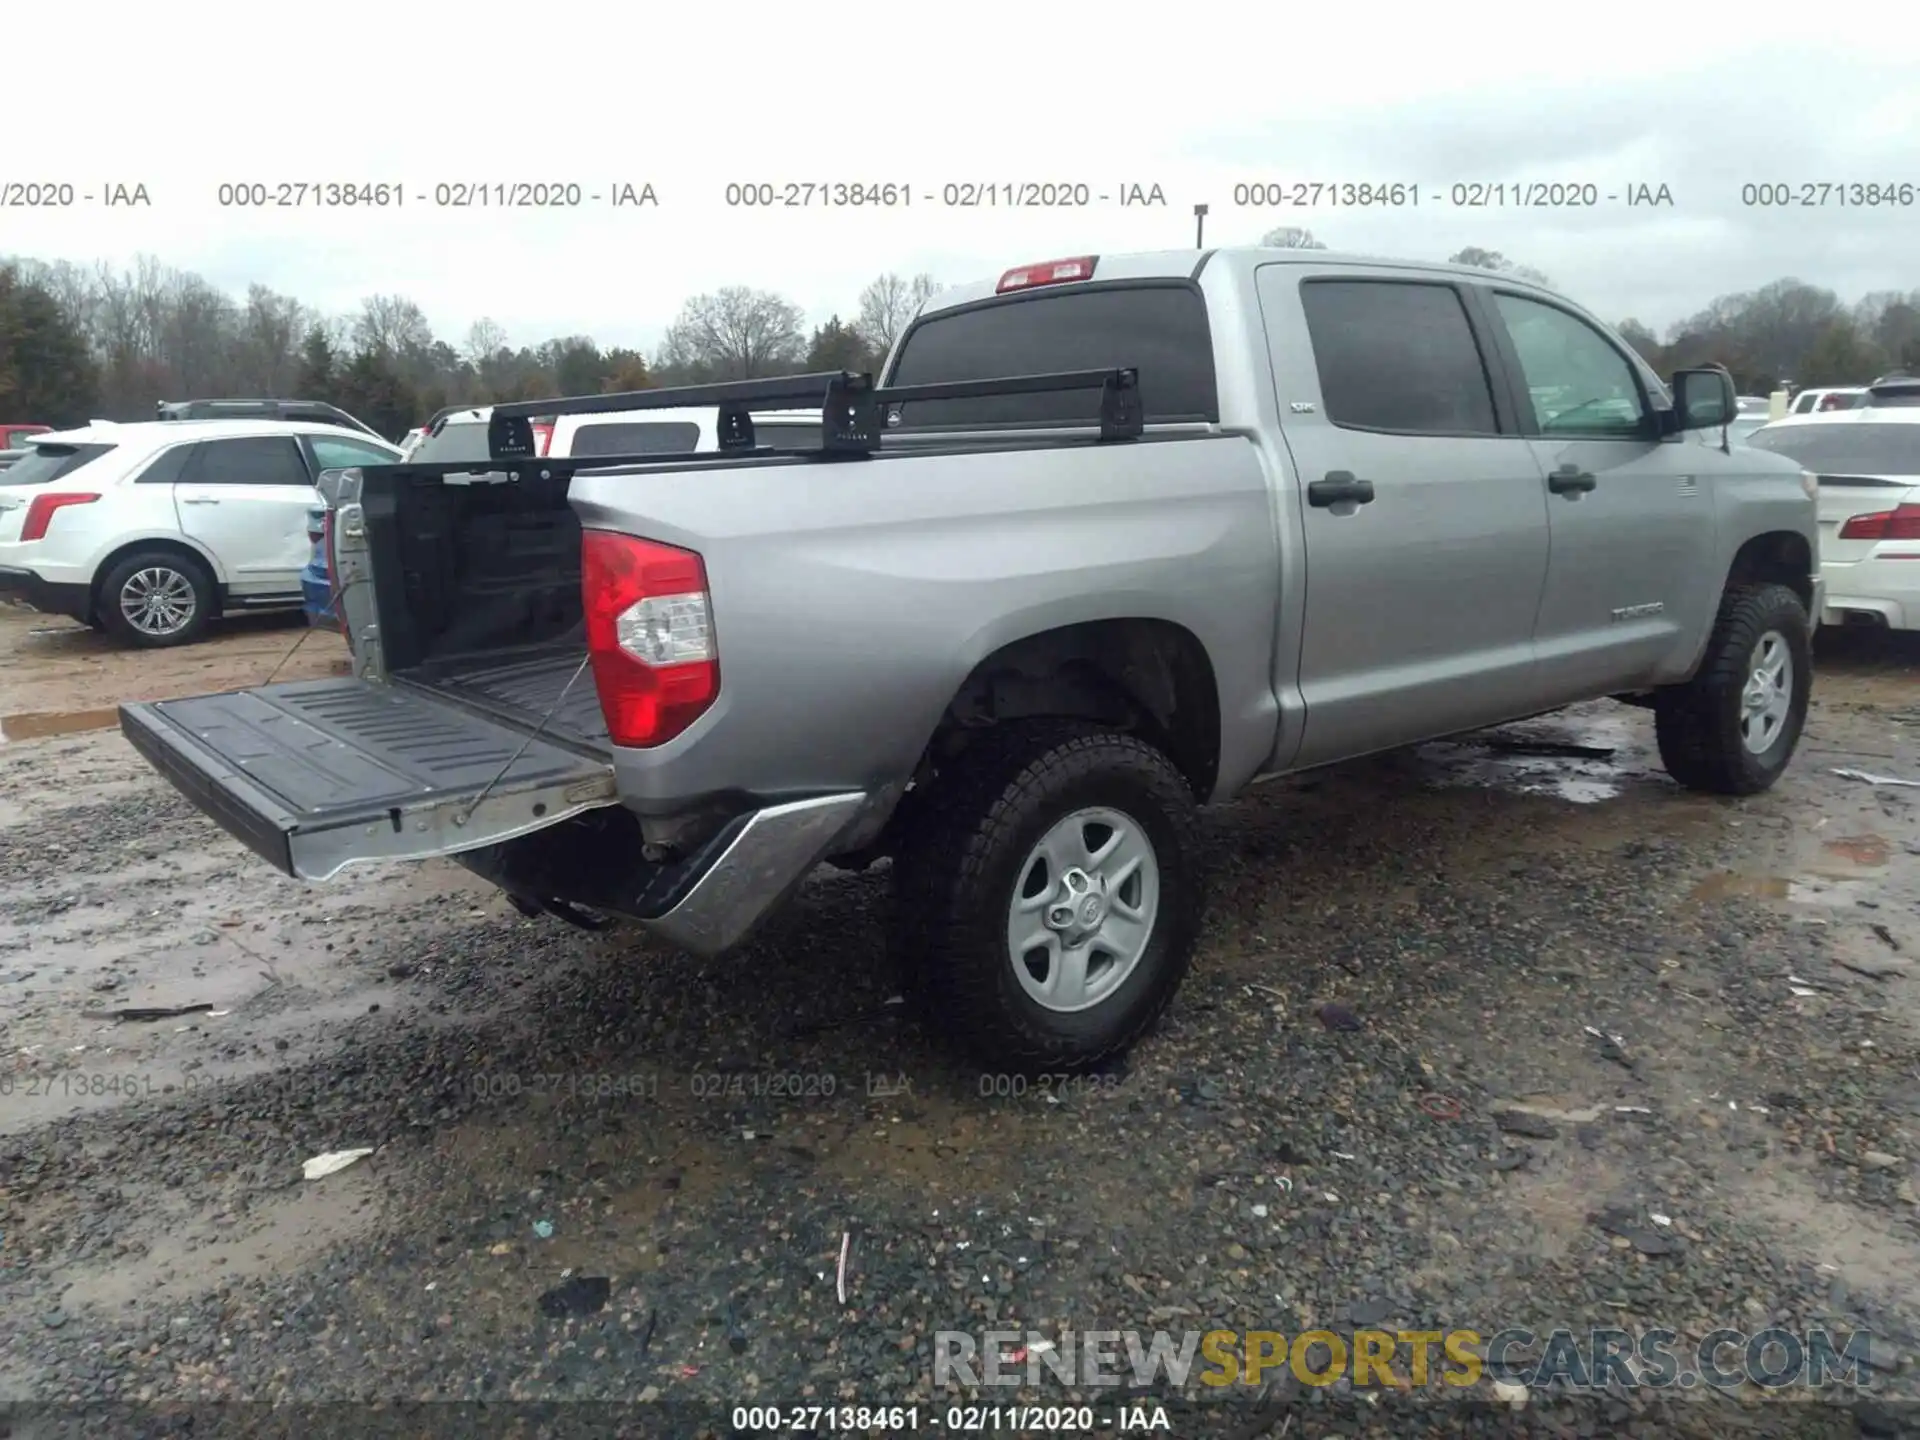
column 247, row 460
column 1399, row 357
column 167, row 465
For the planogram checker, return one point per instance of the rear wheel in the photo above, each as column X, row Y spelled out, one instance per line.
column 1732, row 729
column 154, row 598
column 1050, row 901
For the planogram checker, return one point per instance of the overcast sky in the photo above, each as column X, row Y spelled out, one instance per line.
column 1194, row 98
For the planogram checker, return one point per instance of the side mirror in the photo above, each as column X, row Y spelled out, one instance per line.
column 1703, row 399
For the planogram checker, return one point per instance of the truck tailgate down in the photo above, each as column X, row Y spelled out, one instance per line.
column 314, row 775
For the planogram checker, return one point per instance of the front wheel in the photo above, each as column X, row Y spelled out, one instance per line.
column 1732, row 728
column 1049, row 903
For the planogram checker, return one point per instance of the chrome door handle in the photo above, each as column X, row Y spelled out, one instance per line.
column 198, row 500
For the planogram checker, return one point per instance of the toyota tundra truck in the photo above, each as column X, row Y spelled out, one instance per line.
column 1110, row 538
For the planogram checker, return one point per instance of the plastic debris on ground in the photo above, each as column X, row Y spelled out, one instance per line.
column 1868, row 777
column 334, row 1161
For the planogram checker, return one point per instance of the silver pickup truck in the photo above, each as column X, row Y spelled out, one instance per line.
column 1112, row 537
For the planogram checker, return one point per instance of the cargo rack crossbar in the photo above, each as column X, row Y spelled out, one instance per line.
column 851, row 408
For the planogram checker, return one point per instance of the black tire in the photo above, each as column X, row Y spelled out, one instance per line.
column 199, row 587
column 1699, row 723
column 957, row 869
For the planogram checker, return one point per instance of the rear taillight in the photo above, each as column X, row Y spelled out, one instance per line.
column 649, row 635
column 542, row 437
column 1048, row 272
column 1899, row 524
column 40, row 513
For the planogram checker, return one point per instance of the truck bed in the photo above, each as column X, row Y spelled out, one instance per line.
column 521, row 688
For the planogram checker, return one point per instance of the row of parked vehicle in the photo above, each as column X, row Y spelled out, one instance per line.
column 1110, row 538
column 211, row 508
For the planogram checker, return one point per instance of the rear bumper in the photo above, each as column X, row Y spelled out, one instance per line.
column 47, row 596
column 1889, row 589
column 708, row 901
column 761, row 866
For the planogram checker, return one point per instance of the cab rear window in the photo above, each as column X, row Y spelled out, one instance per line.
column 635, row 438
column 1161, row 330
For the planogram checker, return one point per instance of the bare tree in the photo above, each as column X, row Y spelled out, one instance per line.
column 485, row 340
column 734, row 334
column 272, row 328
column 1291, row 237
column 887, row 307
column 390, row 325
column 1493, row 260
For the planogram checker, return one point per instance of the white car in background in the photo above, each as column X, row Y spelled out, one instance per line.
column 461, row 435
column 151, row 530
column 1843, row 397
column 1868, row 464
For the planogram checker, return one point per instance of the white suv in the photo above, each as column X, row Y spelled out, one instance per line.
column 460, row 435
column 150, row 530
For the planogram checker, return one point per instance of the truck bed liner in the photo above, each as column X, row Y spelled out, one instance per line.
column 291, row 769
column 526, row 687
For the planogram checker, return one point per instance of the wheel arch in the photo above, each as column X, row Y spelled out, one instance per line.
column 1778, row 557
column 1147, row 676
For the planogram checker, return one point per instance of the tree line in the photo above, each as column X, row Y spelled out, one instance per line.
column 78, row 342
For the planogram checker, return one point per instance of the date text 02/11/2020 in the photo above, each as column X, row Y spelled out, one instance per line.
column 444, row 195
column 1137, row 1417
column 1461, row 195
column 953, row 195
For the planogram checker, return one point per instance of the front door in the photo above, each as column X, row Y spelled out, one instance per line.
column 246, row 500
column 1420, row 503
column 1630, row 513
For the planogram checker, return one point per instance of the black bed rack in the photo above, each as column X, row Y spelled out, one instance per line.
column 852, row 410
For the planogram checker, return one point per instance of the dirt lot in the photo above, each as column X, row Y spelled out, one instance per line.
column 547, row 1104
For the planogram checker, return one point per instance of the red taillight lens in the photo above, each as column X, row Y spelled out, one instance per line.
column 649, row 635
column 1900, row 524
column 542, row 437
column 40, row 513
column 1047, row 272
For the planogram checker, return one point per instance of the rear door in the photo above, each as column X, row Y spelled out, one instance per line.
column 245, row 498
column 1630, row 513
column 1421, row 594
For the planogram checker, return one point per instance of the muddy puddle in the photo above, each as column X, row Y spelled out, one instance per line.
column 46, row 724
column 1583, row 760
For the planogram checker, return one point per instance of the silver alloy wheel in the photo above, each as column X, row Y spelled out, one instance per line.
column 1767, row 697
column 158, row 601
column 1083, row 909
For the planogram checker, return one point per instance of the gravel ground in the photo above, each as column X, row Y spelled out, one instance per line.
column 1323, row 1133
